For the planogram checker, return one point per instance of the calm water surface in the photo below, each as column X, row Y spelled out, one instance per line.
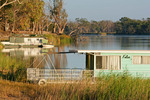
column 71, row 61
column 106, row 43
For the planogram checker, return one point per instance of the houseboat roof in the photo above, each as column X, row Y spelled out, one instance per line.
column 110, row 51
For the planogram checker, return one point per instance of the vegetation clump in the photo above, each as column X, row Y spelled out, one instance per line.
column 12, row 68
column 58, row 39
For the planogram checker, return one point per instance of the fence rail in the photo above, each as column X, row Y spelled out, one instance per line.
column 58, row 74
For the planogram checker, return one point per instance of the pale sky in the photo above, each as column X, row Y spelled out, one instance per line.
column 107, row 9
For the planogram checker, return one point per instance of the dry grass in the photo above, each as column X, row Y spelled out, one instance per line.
column 106, row 87
column 15, row 90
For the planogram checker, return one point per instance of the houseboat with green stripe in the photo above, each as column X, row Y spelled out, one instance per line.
column 135, row 62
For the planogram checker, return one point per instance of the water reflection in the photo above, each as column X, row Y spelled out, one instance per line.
column 85, row 43
column 25, row 52
column 61, row 61
column 117, row 43
column 50, row 59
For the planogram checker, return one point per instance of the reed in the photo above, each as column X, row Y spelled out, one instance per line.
column 12, row 68
column 106, row 87
column 58, row 39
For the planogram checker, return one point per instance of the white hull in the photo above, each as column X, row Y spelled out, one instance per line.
column 27, row 44
column 48, row 46
column 8, row 43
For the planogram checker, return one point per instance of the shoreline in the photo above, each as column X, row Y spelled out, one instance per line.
column 54, row 39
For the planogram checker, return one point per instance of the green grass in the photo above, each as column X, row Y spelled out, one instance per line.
column 113, row 87
column 12, row 68
column 58, row 39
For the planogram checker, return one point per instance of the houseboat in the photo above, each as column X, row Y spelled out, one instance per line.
column 98, row 62
column 27, row 42
column 135, row 62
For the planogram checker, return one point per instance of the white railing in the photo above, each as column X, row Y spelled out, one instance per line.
column 58, row 74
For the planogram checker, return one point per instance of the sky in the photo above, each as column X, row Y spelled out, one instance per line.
column 107, row 9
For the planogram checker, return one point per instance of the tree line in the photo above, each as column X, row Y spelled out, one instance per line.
column 82, row 25
column 124, row 26
column 31, row 16
column 36, row 16
column 131, row 26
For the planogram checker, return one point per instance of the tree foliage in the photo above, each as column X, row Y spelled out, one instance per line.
column 31, row 16
column 23, row 17
column 124, row 26
column 131, row 26
column 82, row 25
column 58, row 15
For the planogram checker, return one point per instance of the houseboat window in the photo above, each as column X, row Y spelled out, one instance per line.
column 108, row 62
column 29, row 39
column 37, row 39
column 141, row 59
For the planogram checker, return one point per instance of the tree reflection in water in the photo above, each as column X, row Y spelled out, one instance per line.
column 57, row 60
column 51, row 59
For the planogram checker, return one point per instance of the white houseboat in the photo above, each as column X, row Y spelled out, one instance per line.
column 27, row 42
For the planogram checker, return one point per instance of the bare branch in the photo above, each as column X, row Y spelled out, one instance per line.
column 7, row 3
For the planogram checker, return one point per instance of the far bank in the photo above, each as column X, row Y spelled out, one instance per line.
column 53, row 38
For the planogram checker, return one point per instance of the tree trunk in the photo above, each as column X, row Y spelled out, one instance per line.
column 14, row 17
column 60, row 31
column 40, row 29
column 47, row 26
column 33, row 27
column 54, row 28
column 6, row 25
column 37, row 28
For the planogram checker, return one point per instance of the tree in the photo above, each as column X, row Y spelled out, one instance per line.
column 106, row 26
column 95, row 27
column 72, row 27
column 30, row 15
column 84, row 25
column 58, row 14
column 7, row 2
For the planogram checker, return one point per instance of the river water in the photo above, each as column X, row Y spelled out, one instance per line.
column 74, row 60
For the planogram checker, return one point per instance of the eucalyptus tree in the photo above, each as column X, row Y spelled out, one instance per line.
column 29, row 15
column 7, row 2
column 5, row 13
column 131, row 26
column 59, row 15
column 84, row 25
column 72, row 28
column 106, row 26
column 34, row 13
column 22, row 16
column 95, row 27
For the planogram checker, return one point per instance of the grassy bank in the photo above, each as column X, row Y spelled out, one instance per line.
column 12, row 68
column 58, row 39
column 120, row 87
